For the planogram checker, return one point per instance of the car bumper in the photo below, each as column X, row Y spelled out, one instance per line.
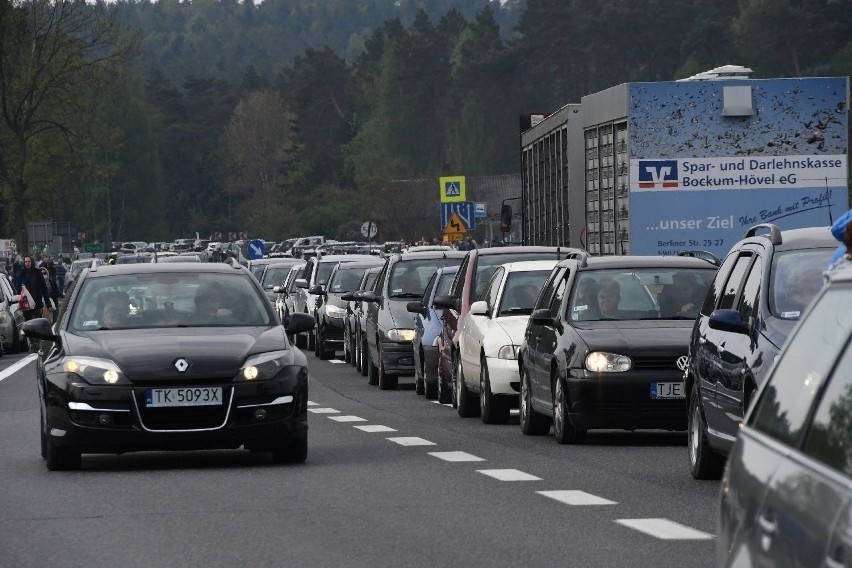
column 504, row 376
column 398, row 357
column 624, row 401
column 116, row 419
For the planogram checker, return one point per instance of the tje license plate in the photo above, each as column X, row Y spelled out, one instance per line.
column 667, row 390
column 188, row 396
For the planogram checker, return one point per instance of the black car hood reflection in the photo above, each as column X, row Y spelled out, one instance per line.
column 636, row 337
column 145, row 354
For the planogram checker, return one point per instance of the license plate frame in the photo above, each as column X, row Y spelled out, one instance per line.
column 181, row 397
column 667, row 390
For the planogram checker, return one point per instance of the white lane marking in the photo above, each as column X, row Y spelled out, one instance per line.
column 336, row 361
column 435, row 401
column 664, row 529
column 514, row 412
column 348, row 419
column 12, row 369
column 411, row 441
column 509, row 475
column 375, row 428
column 450, row 404
column 456, row 456
column 323, row 410
column 311, row 403
column 573, row 497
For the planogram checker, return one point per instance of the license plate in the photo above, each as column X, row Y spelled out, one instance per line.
column 667, row 390
column 188, row 396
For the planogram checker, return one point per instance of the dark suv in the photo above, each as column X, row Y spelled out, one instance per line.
column 758, row 295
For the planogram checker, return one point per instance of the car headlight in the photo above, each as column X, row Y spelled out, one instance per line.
column 601, row 362
column 95, row 371
column 262, row 366
column 508, row 352
column 401, row 335
column 334, row 311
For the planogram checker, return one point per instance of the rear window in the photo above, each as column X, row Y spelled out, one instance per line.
column 346, row 280
column 408, row 278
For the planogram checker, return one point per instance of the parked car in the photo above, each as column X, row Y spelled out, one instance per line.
column 274, row 274
column 601, row 351
column 758, row 295
column 473, row 274
column 786, row 497
column 11, row 319
column 291, row 301
column 284, row 294
column 355, row 323
column 491, row 337
column 389, row 325
column 427, row 329
column 329, row 315
column 172, row 390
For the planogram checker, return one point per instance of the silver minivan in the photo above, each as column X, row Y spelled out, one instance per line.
column 786, row 496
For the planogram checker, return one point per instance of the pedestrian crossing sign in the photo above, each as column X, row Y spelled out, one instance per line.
column 452, row 189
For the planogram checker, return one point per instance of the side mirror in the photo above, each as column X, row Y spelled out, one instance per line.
column 445, row 302
column 348, row 297
column 301, row 283
column 542, row 317
column 728, row 320
column 317, row 290
column 369, row 296
column 299, row 323
column 480, row 308
column 506, row 219
column 39, row 328
column 414, row 307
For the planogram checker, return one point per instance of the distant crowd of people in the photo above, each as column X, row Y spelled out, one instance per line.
column 40, row 283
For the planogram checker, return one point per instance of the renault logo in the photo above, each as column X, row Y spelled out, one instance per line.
column 682, row 362
column 182, row 365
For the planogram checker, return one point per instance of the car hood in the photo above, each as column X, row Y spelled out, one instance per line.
column 514, row 327
column 151, row 353
column 637, row 338
column 400, row 316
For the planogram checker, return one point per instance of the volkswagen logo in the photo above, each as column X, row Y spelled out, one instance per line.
column 182, row 365
column 682, row 362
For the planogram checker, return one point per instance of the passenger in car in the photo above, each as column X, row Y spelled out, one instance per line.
column 114, row 309
column 609, row 296
column 586, row 302
column 682, row 298
column 210, row 304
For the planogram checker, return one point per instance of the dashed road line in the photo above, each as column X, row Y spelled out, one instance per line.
column 14, row 368
column 312, row 403
column 665, row 529
column 375, row 428
column 450, row 404
column 348, row 419
column 336, row 361
column 323, row 411
column 574, row 497
column 411, row 441
column 509, row 475
column 456, row 456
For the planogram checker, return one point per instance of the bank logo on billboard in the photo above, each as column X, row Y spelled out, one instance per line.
column 658, row 174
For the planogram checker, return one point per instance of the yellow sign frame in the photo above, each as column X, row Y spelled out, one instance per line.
column 455, row 185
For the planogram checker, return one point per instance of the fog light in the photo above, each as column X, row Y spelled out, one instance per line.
column 260, row 414
column 104, row 419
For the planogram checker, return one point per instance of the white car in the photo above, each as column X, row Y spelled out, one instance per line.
column 489, row 340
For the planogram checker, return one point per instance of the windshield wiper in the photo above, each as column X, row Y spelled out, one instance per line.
column 516, row 311
column 406, row 295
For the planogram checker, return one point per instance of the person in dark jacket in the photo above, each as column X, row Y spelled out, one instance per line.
column 32, row 278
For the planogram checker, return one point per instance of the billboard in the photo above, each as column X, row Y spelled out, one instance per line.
column 699, row 179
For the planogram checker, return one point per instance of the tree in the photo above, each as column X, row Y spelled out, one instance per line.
column 51, row 52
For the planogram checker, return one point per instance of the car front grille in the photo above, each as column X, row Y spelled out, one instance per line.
column 660, row 363
column 183, row 418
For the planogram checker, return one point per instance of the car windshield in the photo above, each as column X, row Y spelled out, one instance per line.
column 275, row 277
column 521, row 291
column 795, row 279
column 639, row 294
column 346, row 280
column 257, row 270
column 324, row 271
column 408, row 278
column 168, row 299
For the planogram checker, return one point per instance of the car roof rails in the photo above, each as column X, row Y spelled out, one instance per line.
column 774, row 235
column 703, row 255
column 581, row 256
column 233, row 262
column 93, row 267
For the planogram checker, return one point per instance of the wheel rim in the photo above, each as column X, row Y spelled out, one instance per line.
column 525, row 393
column 483, row 380
column 559, row 411
column 693, row 436
column 459, row 383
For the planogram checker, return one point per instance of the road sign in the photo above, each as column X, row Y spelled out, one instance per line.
column 81, row 237
column 452, row 189
column 464, row 209
column 256, row 249
column 369, row 229
column 232, row 236
column 217, row 236
column 479, row 209
column 93, row 247
column 455, row 226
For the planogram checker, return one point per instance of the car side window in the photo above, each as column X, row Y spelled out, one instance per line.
column 782, row 410
column 828, row 439
column 493, row 287
column 428, row 291
column 547, row 290
column 558, row 294
column 458, row 281
column 309, row 268
column 718, row 285
column 63, row 305
column 732, row 286
column 748, row 303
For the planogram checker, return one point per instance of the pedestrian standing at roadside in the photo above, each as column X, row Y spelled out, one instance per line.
column 52, row 289
column 61, row 271
column 838, row 231
column 33, row 279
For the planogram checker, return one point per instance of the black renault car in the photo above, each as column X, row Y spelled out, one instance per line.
column 389, row 326
column 606, row 345
column 179, row 356
column 762, row 289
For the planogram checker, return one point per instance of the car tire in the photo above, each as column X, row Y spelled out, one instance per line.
column 467, row 405
column 386, row 380
column 363, row 357
column 60, row 458
column 445, row 395
column 563, row 430
column 492, row 409
column 430, row 389
column 43, row 436
column 373, row 371
column 295, row 451
column 347, row 349
column 301, row 341
column 312, row 340
column 322, row 352
column 532, row 423
column 704, row 462
column 356, row 356
column 16, row 339
column 420, row 377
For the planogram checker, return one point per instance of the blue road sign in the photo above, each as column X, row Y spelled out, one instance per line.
column 256, row 249
column 465, row 209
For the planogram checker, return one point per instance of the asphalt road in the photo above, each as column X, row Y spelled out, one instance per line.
column 372, row 493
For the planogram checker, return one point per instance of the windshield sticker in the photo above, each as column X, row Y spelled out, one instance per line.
column 580, row 308
column 397, row 290
column 790, row 314
column 90, row 322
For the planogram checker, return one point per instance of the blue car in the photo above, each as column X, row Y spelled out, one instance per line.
column 427, row 328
